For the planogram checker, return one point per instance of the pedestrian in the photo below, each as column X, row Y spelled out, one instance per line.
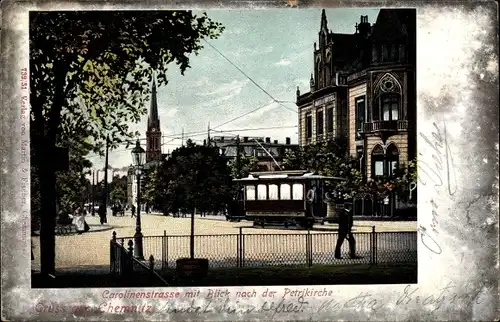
column 102, row 214
column 133, row 211
column 79, row 220
column 346, row 222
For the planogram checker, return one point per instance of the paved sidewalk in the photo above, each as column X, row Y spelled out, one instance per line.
column 93, row 229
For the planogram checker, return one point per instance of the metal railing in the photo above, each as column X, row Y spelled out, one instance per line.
column 124, row 265
column 397, row 125
column 303, row 248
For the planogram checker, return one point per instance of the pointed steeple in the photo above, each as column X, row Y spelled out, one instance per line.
column 153, row 133
column 324, row 23
column 153, row 120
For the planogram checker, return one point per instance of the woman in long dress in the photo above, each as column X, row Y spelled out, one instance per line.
column 79, row 220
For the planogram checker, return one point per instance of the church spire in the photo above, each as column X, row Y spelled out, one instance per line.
column 153, row 120
column 324, row 23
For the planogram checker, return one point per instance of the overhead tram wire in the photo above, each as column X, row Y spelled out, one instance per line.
column 230, row 131
column 243, row 115
column 255, row 83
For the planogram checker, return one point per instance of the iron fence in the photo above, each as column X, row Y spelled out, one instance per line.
column 288, row 249
column 123, row 264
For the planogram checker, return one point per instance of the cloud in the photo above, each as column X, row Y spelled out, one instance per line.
column 297, row 56
column 202, row 81
column 284, row 62
column 247, row 52
column 234, row 87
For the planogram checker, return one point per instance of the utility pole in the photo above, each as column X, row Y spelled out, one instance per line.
column 208, row 139
column 93, row 192
column 105, row 195
column 238, row 161
column 182, row 137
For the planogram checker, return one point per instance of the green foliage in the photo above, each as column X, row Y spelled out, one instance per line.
column 72, row 187
column 247, row 165
column 92, row 71
column 90, row 76
column 403, row 178
column 118, row 190
column 195, row 176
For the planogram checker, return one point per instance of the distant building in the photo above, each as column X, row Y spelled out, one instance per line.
column 363, row 88
column 254, row 146
column 154, row 155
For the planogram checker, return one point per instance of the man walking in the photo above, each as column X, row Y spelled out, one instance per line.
column 346, row 222
column 102, row 214
column 133, row 211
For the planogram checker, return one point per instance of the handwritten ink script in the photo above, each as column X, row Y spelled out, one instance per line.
column 445, row 296
column 270, row 303
column 436, row 174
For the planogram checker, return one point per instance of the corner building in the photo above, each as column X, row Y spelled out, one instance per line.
column 363, row 88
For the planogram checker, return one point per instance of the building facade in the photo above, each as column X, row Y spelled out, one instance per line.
column 363, row 88
column 154, row 155
column 265, row 150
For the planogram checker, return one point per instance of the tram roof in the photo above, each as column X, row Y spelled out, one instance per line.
column 286, row 175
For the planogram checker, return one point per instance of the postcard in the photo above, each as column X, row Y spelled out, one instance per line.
column 235, row 161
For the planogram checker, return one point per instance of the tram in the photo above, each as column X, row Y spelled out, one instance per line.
column 286, row 197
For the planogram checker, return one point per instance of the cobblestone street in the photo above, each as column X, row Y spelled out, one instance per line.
column 92, row 248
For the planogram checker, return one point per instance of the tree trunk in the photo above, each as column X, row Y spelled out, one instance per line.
column 47, row 170
column 47, row 175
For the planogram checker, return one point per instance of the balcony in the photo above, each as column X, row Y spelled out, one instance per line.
column 386, row 126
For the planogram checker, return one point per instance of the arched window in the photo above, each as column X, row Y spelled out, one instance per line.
column 375, row 51
column 384, row 163
column 273, row 192
column 319, row 78
column 250, row 192
column 285, row 191
column 387, row 103
column 298, row 191
column 385, row 53
column 261, row 192
column 390, row 106
column 377, row 161
column 392, row 157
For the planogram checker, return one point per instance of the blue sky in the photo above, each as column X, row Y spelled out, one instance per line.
column 274, row 47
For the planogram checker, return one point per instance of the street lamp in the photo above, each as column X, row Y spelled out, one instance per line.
column 138, row 156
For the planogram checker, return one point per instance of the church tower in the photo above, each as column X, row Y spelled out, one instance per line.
column 153, row 134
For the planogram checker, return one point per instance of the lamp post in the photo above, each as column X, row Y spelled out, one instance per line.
column 138, row 156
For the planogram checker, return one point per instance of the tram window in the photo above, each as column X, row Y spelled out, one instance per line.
column 285, row 192
column 273, row 192
column 250, row 192
column 261, row 192
column 298, row 192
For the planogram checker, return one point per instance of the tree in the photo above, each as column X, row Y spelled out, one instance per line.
column 329, row 158
column 405, row 182
column 195, row 177
column 90, row 74
column 247, row 165
column 118, row 190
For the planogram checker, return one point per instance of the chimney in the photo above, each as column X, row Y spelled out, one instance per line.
column 287, row 140
column 245, row 139
column 275, row 141
column 268, row 140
